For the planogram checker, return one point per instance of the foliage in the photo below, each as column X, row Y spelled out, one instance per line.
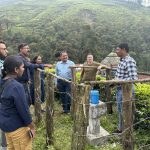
column 142, row 94
column 63, row 132
column 80, row 27
column 51, row 70
column 63, row 125
column 78, row 74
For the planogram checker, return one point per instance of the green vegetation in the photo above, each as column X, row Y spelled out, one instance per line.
column 63, row 125
column 63, row 132
column 143, row 105
column 79, row 26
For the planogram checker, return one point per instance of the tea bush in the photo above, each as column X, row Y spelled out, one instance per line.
column 142, row 95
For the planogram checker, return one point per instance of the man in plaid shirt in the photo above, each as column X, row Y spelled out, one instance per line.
column 126, row 70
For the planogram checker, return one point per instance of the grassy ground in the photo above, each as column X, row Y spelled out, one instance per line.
column 63, row 132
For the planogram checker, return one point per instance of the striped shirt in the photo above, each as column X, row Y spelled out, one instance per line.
column 127, row 69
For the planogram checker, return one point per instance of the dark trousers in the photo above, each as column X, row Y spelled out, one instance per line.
column 65, row 94
column 119, row 106
column 3, row 138
column 27, row 92
column 3, row 143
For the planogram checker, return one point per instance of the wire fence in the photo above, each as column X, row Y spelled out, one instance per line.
column 76, row 134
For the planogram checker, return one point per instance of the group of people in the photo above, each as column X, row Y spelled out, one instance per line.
column 17, row 89
column 16, row 95
column 126, row 70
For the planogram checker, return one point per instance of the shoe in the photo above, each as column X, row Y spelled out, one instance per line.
column 3, row 148
column 117, row 132
column 43, row 111
column 65, row 112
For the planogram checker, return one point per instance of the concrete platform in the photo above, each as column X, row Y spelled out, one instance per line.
column 99, row 139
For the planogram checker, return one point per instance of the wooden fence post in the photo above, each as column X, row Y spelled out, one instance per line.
column 73, row 93
column 81, row 119
column 74, row 99
column 50, row 110
column 108, row 92
column 127, row 138
column 37, row 96
column 73, row 70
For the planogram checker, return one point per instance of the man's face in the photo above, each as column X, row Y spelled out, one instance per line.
column 90, row 59
column 3, row 50
column 119, row 52
column 64, row 57
column 25, row 50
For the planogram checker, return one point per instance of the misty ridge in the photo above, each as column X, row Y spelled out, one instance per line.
column 78, row 26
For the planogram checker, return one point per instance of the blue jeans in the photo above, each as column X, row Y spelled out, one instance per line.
column 119, row 105
column 65, row 96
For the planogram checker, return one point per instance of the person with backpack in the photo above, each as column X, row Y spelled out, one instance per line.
column 15, row 118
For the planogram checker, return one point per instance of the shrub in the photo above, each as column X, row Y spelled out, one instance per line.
column 142, row 95
column 51, row 70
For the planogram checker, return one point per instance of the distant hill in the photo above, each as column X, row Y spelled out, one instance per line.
column 6, row 2
column 79, row 26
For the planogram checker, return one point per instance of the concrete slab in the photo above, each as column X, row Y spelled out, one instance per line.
column 99, row 139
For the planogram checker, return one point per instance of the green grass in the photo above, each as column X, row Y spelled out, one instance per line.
column 62, row 132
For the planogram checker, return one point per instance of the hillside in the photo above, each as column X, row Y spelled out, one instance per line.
column 80, row 26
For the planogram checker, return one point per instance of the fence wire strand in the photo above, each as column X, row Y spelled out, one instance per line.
column 84, row 110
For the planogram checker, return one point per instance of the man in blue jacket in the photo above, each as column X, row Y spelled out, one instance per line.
column 25, row 79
